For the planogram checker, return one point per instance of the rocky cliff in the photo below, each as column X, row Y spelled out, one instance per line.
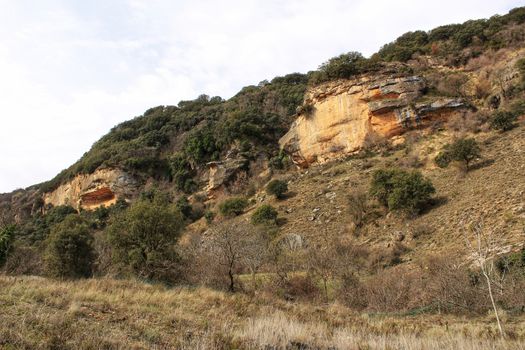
column 102, row 188
column 337, row 117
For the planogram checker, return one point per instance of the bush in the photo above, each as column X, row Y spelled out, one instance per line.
column 503, row 121
column 265, row 214
column 518, row 108
column 277, row 188
column 143, row 238
column 404, row 47
column 401, row 190
column 6, row 238
column 344, row 66
column 209, row 216
column 462, row 150
column 443, row 159
column 185, row 208
column 279, row 162
column 69, row 252
column 233, row 206
column 182, row 173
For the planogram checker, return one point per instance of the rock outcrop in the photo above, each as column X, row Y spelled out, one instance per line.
column 221, row 173
column 102, row 188
column 338, row 116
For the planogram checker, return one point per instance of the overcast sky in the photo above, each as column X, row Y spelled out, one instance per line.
column 72, row 69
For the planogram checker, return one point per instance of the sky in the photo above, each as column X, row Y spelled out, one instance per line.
column 72, row 69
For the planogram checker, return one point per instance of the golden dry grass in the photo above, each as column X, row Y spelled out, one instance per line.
column 119, row 314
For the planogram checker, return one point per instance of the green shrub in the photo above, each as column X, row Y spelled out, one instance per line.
column 69, row 252
column 233, row 206
column 144, row 236
column 279, row 162
column 7, row 235
column 277, row 188
column 443, row 159
column 182, row 173
column 209, row 216
column 265, row 214
column 184, row 206
column 401, row 190
column 343, row 66
column 503, row 120
column 464, row 150
column 404, row 47
column 201, row 146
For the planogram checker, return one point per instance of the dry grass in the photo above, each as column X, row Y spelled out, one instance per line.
column 110, row 314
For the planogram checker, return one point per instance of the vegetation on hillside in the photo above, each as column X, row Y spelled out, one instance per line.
column 458, row 42
column 173, row 142
column 318, row 238
column 200, row 131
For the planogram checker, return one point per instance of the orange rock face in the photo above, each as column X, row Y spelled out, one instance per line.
column 346, row 111
column 90, row 191
column 102, row 196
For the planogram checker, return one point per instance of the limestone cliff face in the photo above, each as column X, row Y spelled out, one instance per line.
column 340, row 115
column 102, row 188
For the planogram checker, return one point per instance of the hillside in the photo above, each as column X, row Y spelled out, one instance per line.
column 373, row 203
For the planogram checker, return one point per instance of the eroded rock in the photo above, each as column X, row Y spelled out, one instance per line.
column 220, row 173
column 90, row 191
column 346, row 111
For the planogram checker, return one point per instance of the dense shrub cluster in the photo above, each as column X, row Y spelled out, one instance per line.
column 199, row 130
column 401, row 190
column 503, row 120
column 344, row 66
column 449, row 41
column 265, row 214
column 280, row 161
column 143, row 238
column 277, row 188
column 69, row 252
column 7, row 234
column 233, row 206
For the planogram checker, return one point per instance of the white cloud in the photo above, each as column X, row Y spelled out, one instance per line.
column 69, row 70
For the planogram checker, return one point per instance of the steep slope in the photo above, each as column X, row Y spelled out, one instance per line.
column 341, row 115
column 493, row 192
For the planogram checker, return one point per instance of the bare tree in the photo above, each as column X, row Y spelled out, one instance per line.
column 330, row 258
column 321, row 263
column 255, row 252
column 235, row 245
column 358, row 208
column 484, row 245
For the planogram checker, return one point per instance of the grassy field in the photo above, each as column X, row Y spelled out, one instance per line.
column 120, row 314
